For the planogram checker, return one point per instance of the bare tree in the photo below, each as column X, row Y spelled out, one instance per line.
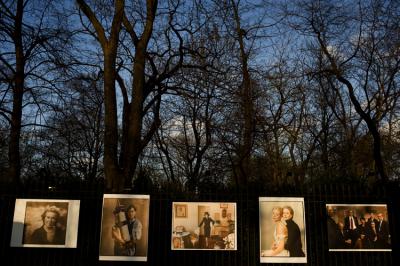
column 31, row 44
column 150, row 57
column 72, row 145
column 361, row 57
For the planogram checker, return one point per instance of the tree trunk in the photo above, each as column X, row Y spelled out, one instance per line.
column 114, row 179
column 112, row 171
column 371, row 123
column 18, row 92
column 134, row 142
column 246, row 104
column 373, row 129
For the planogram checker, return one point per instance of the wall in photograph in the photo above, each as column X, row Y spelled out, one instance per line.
column 124, row 227
column 203, row 226
column 358, row 227
column 282, row 230
column 45, row 223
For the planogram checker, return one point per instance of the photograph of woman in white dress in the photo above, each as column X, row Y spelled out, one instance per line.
column 280, row 235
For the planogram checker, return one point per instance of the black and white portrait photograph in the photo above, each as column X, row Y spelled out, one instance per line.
column 358, row 227
column 203, row 226
column 45, row 223
column 124, row 227
column 282, row 230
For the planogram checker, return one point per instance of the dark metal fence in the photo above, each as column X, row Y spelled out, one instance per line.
column 159, row 251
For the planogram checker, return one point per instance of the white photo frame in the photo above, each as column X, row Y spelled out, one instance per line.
column 269, row 220
column 338, row 218
column 134, row 249
column 205, row 226
column 30, row 217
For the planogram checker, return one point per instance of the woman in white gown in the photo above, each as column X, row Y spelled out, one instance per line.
column 280, row 236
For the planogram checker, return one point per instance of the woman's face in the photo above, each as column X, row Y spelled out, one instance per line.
column 286, row 214
column 50, row 219
column 276, row 215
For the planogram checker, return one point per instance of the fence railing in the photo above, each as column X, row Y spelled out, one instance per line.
column 159, row 244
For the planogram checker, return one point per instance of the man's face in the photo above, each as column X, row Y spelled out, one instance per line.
column 286, row 214
column 331, row 212
column 350, row 213
column 131, row 213
column 380, row 217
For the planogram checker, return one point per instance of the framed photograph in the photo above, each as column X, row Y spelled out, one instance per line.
column 180, row 210
column 205, row 226
column 358, row 227
column 282, row 230
column 45, row 223
column 124, row 227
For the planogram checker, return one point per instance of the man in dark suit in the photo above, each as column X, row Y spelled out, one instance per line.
column 293, row 243
column 344, row 240
column 333, row 230
column 367, row 233
column 351, row 227
column 372, row 218
column 382, row 231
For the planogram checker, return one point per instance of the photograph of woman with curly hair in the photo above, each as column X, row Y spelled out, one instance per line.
column 45, row 223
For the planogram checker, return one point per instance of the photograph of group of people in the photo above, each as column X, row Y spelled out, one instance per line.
column 200, row 226
column 354, row 227
column 282, row 230
column 203, row 225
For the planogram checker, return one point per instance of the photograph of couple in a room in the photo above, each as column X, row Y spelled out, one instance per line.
column 203, row 225
column 354, row 227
